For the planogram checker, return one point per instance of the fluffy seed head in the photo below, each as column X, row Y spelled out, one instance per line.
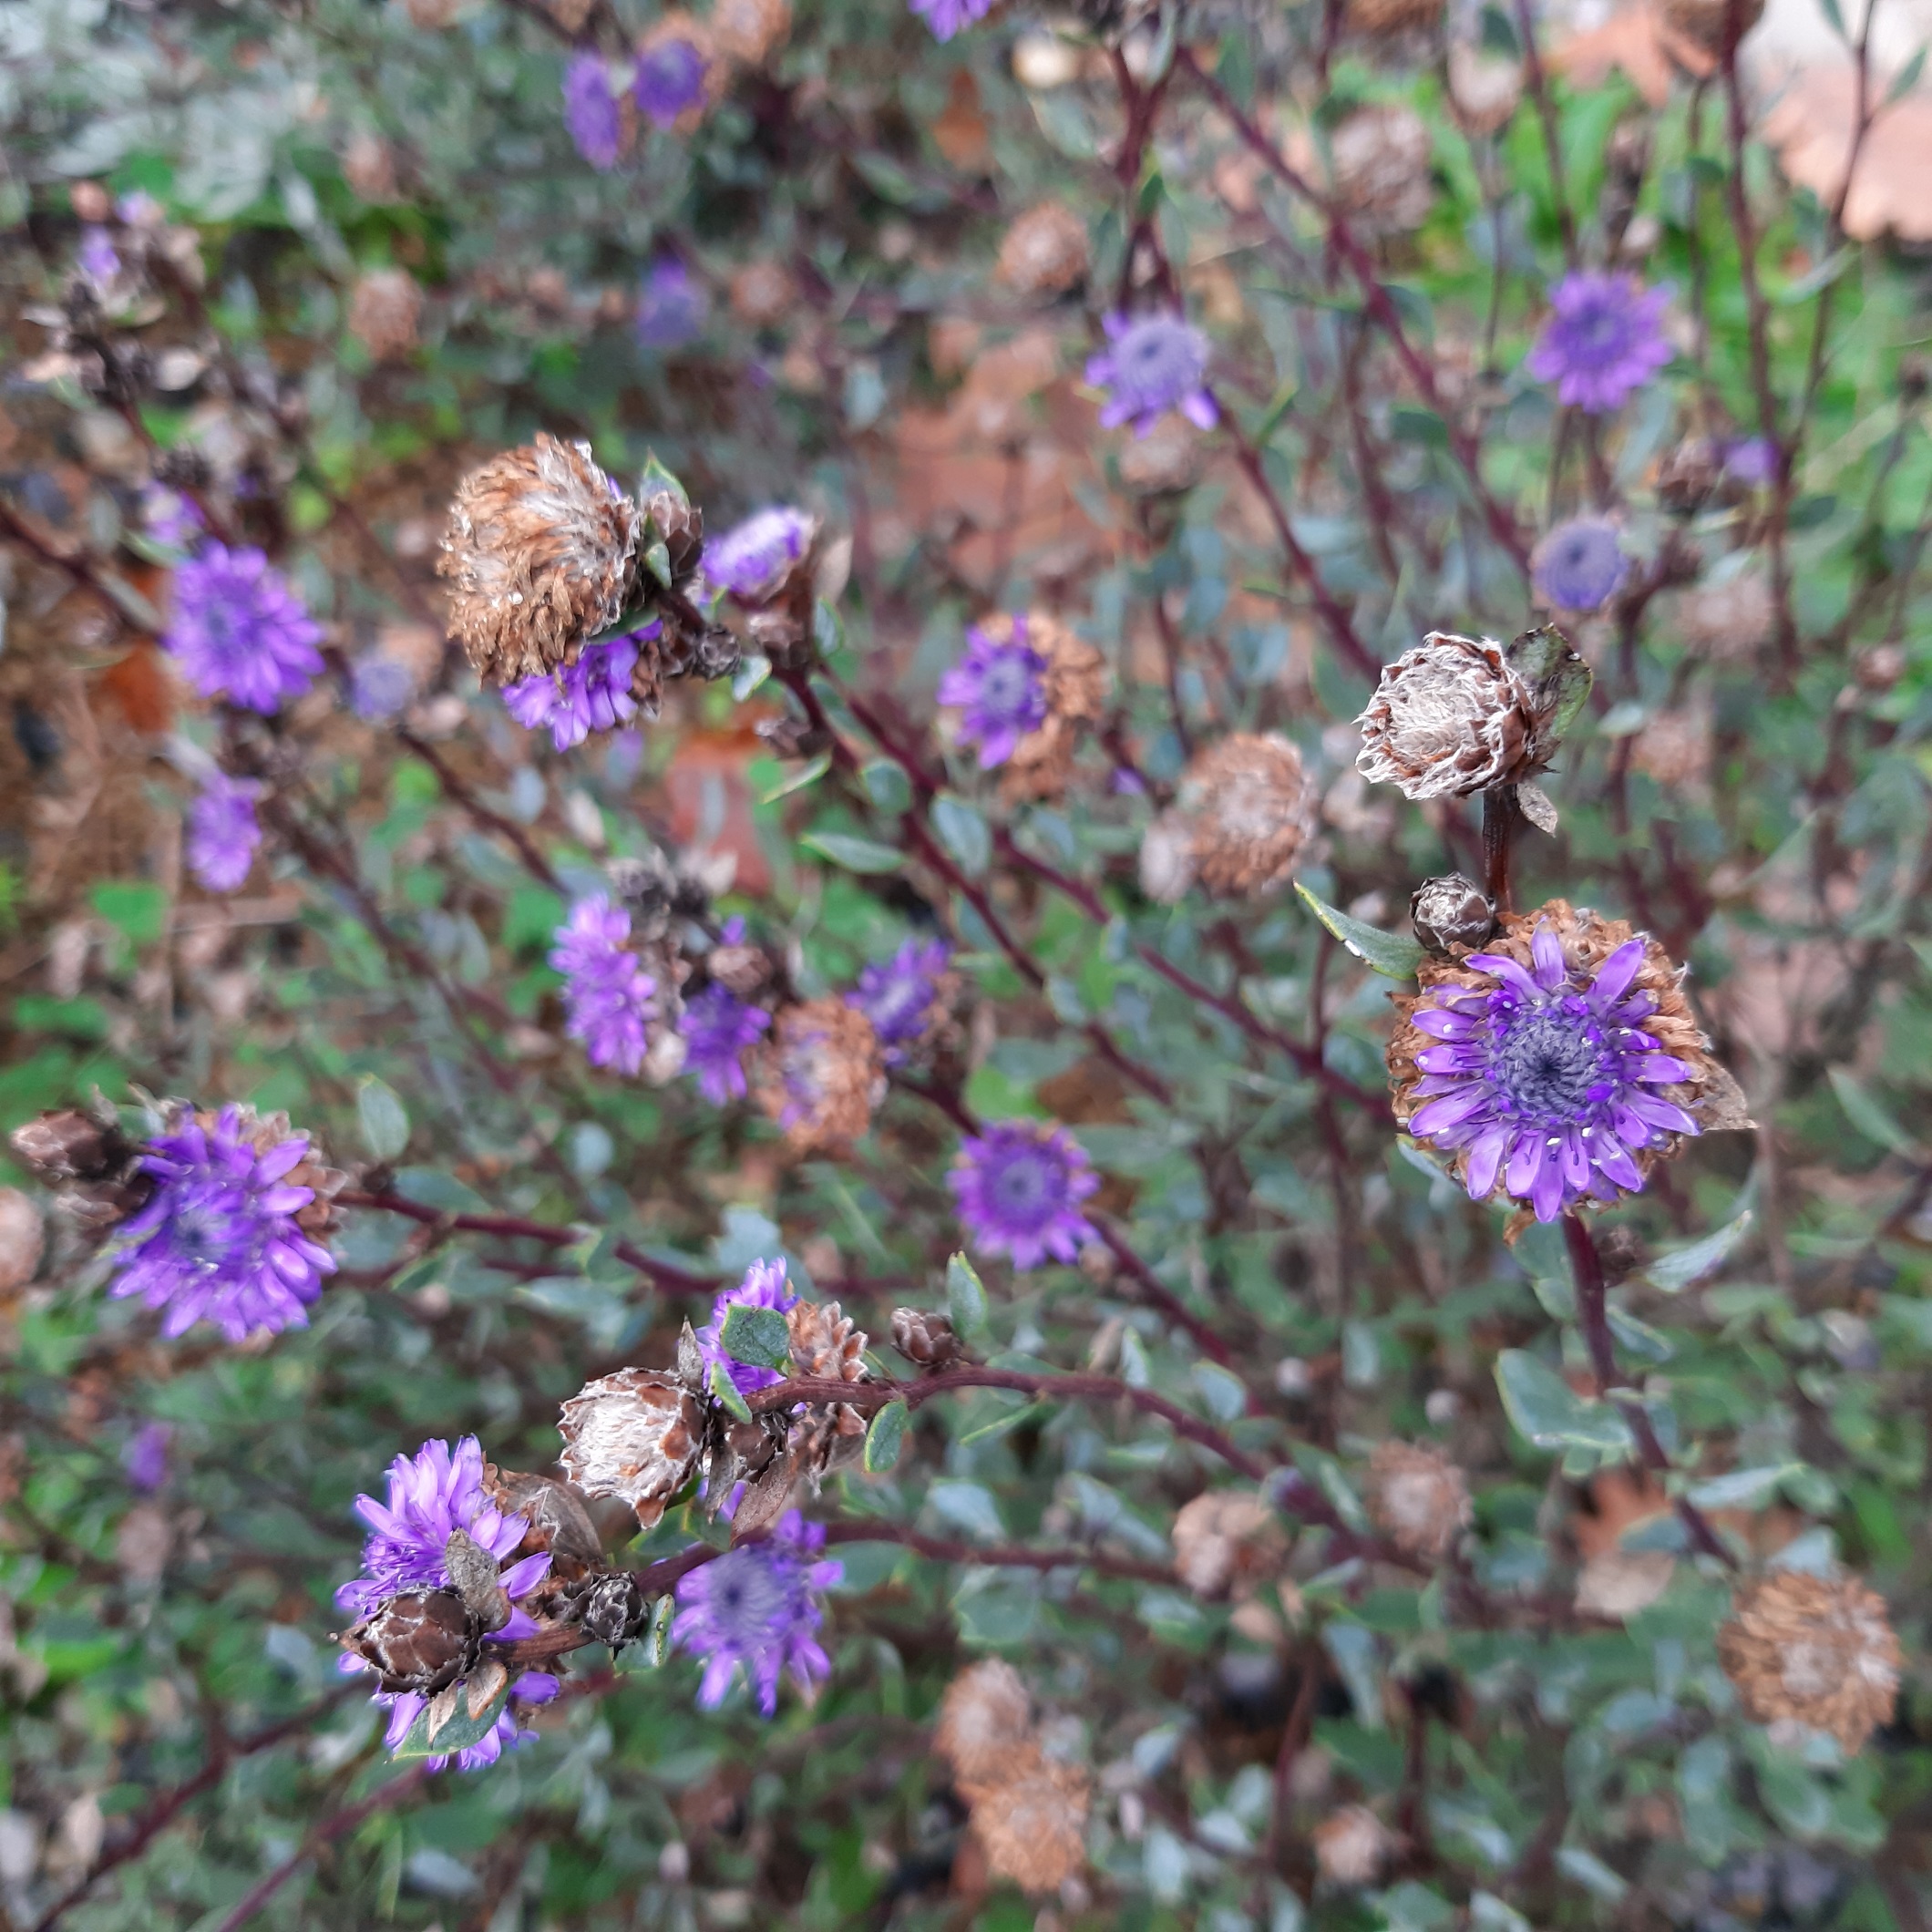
column 1225, row 1541
column 1250, row 808
column 985, row 1723
column 1032, row 1820
column 540, row 554
column 1045, row 251
column 821, row 1075
column 1419, row 1498
column 1379, row 158
column 1816, row 1649
column 1352, row 1845
column 634, row 1434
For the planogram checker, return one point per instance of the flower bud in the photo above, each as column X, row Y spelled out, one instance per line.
column 419, row 1641
column 1449, row 913
column 612, row 1609
column 927, row 1340
column 634, row 1434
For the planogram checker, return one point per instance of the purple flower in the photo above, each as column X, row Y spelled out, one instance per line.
column 607, row 992
column 1604, row 338
column 1020, row 1184
column 897, row 996
column 589, row 110
column 239, row 632
column 218, row 1238
column 533, row 1687
column 1548, row 1078
column 670, row 80
column 575, row 700
column 717, row 1028
column 222, row 834
column 1752, row 461
column 1157, row 363
column 753, row 560
column 947, row 17
column 765, row 1285
column 1002, row 689
column 380, row 687
column 671, row 306
column 145, row 1456
column 756, row 1608
column 1580, row 564
column 96, row 258
column 170, row 517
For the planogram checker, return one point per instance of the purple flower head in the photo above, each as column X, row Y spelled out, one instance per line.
column 575, row 700
column 1001, row 690
column 145, row 1456
column 222, row 834
column 170, row 517
column 239, row 632
column 1020, row 1184
column 1548, row 1078
column 765, row 1285
column 671, row 306
column 607, row 992
column 1752, row 461
column 753, row 560
column 533, row 1687
column 218, row 1238
column 1580, row 564
column 1156, row 363
column 897, row 996
column 380, row 687
column 432, row 1494
column 589, row 110
column 717, row 1028
column 756, row 1608
column 670, row 79
column 1604, row 338
column 96, row 258
column 947, row 17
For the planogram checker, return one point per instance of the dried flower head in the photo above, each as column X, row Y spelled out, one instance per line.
column 1451, row 913
column 1711, row 25
column 1559, row 1065
column 1729, row 621
column 750, row 31
column 1352, row 1845
column 1674, row 748
column 762, row 294
column 1818, row 1651
column 1483, row 87
column 925, row 1339
column 634, row 1434
column 23, row 1239
column 985, row 1725
column 679, row 72
column 1383, row 19
column 826, row 1347
column 820, row 1075
column 1166, row 461
column 1153, row 363
column 1455, row 716
column 97, row 1172
column 1227, row 1541
column 1605, row 338
column 1074, row 685
column 1419, row 1498
column 1031, row 1821
column 1045, row 251
column 541, row 554
column 368, row 166
column 1379, row 159
column 385, row 308
column 1250, row 808
column 1167, row 859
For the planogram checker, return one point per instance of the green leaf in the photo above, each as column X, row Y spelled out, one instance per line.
column 758, row 1337
column 1549, row 1413
column 138, row 910
column 657, row 561
column 886, row 785
column 461, row 1731
column 656, row 480
column 964, row 832
column 384, row 1120
column 885, row 1437
column 855, row 855
column 1684, row 1268
column 1544, row 659
column 1385, row 952
column 1870, row 1116
column 753, row 670
column 1741, row 1488
column 797, row 782
column 725, row 1390
column 1904, row 81
column 965, row 1297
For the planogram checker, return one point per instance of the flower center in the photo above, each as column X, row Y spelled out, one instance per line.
column 748, row 1600
column 1551, row 1062
column 1025, row 1190
column 1007, row 688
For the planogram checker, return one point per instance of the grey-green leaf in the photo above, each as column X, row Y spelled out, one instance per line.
column 725, row 1390
column 962, row 831
column 1684, row 1267
column 965, row 1297
column 384, row 1120
column 457, row 1733
column 757, row 1336
column 1869, row 1115
column 855, row 855
column 1549, row 1413
column 1386, row 952
column 884, row 1438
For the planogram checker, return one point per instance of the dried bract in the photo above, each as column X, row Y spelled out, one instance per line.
column 612, row 1609
column 418, row 1641
column 750, row 31
column 985, row 1723
column 94, row 1169
column 634, row 1434
column 1045, row 251
column 820, row 1075
column 1380, row 161
column 1226, row 1542
column 925, row 1339
column 1031, row 1823
column 826, row 1347
column 1818, row 1651
column 1419, row 1499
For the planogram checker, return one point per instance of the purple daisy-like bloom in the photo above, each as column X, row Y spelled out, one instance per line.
column 575, row 700
column 757, row 1609
column 753, row 559
column 1580, row 564
column 1156, row 363
column 239, row 632
column 590, row 112
column 947, row 17
column 217, row 1239
column 1001, row 690
column 1548, row 1078
column 766, row 1285
column 96, row 258
column 1019, row 1186
column 671, row 306
column 897, row 996
column 1604, row 338
column 145, row 1456
column 607, row 992
column 717, row 1029
column 222, row 834
column 1752, row 461
column 670, row 80
column 380, row 687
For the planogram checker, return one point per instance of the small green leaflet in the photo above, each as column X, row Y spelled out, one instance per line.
column 757, row 1336
column 962, row 831
column 753, row 670
column 797, row 782
column 1870, row 1116
column 965, row 1297
column 855, row 855
column 1385, row 952
column 1742, row 1489
column 461, row 1732
column 1684, row 1267
column 384, row 1120
column 725, row 1390
column 884, row 1437
column 1549, row 1413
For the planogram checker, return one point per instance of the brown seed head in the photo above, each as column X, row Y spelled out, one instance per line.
column 1352, row 1845
column 762, row 294
column 1727, row 621
column 1711, row 25
column 750, row 31
column 1419, row 1498
column 385, row 308
column 1166, row 460
column 925, row 1339
column 1226, row 1542
column 1383, row 19
column 541, row 553
column 985, row 1721
column 22, row 1240
column 634, row 1434
column 1045, row 251
column 826, row 1347
column 1483, row 87
column 419, row 1641
column 820, row 1075
column 1816, row 1649
column 1032, row 1820
column 1450, row 912
column 1380, row 159
column 1690, row 476
column 1249, row 809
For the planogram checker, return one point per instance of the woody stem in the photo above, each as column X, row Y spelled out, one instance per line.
column 1501, row 815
